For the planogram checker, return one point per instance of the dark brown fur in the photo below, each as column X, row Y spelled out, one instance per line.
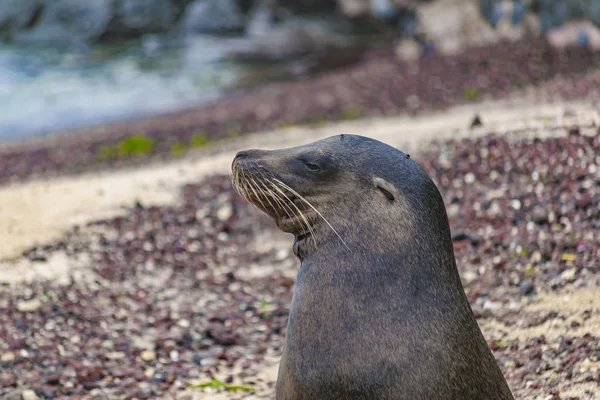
column 378, row 311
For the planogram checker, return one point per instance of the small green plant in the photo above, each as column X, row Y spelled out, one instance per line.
column 107, row 151
column 178, row 149
column 198, row 140
column 233, row 132
column 352, row 112
column 264, row 303
column 318, row 121
column 136, row 145
column 217, row 384
column 529, row 271
column 285, row 125
column 472, row 93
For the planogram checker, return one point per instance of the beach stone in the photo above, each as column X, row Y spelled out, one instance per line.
column 225, row 212
column 17, row 14
column 29, row 305
column 28, row 394
column 148, row 355
column 7, row 357
column 146, row 15
column 70, row 21
column 310, row 6
column 213, row 16
column 568, row 275
column 527, row 288
column 115, row 355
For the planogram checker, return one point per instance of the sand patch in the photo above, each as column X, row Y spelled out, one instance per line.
column 570, row 305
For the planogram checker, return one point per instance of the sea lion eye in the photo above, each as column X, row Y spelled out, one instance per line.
column 312, row 167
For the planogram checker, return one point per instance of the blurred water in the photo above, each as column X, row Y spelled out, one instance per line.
column 50, row 89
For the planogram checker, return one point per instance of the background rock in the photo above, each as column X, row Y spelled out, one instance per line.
column 464, row 22
column 17, row 14
column 213, row 16
column 146, row 15
column 70, row 21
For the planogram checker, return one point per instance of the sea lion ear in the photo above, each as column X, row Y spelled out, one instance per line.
column 385, row 187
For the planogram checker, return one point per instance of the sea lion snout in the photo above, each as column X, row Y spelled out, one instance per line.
column 241, row 154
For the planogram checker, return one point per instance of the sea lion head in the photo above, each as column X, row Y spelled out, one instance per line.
column 346, row 190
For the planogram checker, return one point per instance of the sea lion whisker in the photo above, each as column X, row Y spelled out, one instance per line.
column 308, row 225
column 246, row 193
column 311, row 206
column 278, row 200
column 253, row 186
column 283, row 203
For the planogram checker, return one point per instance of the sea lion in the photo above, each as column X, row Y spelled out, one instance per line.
column 378, row 311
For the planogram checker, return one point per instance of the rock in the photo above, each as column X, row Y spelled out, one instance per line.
column 309, row 6
column 288, row 41
column 383, row 9
column 353, row 8
column 476, row 121
column 115, row 355
column 225, row 212
column 16, row 15
column 148, row 355
column 213, row 16
column 29, row 305
column 495, row 194
column 145, row 15
column 568, row 275
column 70, row 21
column 539, row 217
column 454, row 24
column 468, row 277
column 260, row 21
column 582, row 33
column 527, row 288
column 7, row 357
column 515, row 204
column 28, row 394
column 409, row 50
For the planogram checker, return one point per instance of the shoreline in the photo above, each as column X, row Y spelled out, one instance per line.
column 379, row 86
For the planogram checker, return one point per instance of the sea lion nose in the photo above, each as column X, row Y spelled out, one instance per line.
column 240, row 155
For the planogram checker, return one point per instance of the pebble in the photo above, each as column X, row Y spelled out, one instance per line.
column 7, row 357
column 495, row 194
column 526, row 288
column 225, row 212
column 115, row 355
column 568, row 275
column 148, row 355
column 29, row 305
column 469, row 178
column 29, row 394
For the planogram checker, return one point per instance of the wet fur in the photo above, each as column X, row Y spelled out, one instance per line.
column 378, row 310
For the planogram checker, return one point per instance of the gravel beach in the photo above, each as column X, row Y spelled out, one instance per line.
column 160, row 282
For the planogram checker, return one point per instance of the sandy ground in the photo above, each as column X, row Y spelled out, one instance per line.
column 37, row 212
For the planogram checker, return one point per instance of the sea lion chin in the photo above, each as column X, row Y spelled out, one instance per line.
column 378, row 310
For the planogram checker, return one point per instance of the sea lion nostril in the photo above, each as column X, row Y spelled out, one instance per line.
column 241, row 154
